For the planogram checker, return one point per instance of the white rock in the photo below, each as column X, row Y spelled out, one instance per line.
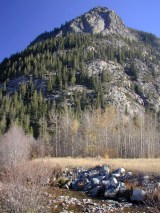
column 122, row 186
column 121, row 170
column 113, row 181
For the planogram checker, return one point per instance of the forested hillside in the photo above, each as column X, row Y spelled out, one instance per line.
column 66, row 81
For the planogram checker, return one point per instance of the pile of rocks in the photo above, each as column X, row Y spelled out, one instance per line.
column 100, row 182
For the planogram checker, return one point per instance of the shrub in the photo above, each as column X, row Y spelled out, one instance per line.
column 39, row 149
column 14, row 147
column 16, row 197
column 153, row 200
column 24, row 182
column 26, row 189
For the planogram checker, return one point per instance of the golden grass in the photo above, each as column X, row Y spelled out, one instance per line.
column 139, row 165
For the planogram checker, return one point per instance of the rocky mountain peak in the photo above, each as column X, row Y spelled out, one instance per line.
column 98, row 20
column 99, row 10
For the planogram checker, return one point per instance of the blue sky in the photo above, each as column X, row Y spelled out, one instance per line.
column 22, row 20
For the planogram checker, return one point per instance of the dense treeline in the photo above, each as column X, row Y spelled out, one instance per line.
column 68, row 55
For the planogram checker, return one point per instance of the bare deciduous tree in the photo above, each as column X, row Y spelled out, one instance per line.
column 14, row 147
column 109, row 133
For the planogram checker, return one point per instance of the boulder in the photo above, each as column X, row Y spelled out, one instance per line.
column 122, row 186
column 127, row 176
column 138, row 195
column 94, row 172
column 94, row 192
column 106, row 183
column 118, row 173
column 83, row 174
column 100, row 178
column 111, row 192
column 105, row 170
column 95, row 182
column 87, row 187
column 113, row 182
column 79, row 184
column 121, row 170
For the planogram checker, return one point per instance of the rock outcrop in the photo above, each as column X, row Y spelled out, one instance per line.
column 98, row 20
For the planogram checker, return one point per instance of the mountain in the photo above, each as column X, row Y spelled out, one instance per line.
column 98, row 20
column 90, row 62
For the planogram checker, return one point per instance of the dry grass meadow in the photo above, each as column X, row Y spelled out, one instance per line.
column 137, row 165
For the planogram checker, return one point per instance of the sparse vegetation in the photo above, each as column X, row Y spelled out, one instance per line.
column 153, row 200
column 23, row 183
